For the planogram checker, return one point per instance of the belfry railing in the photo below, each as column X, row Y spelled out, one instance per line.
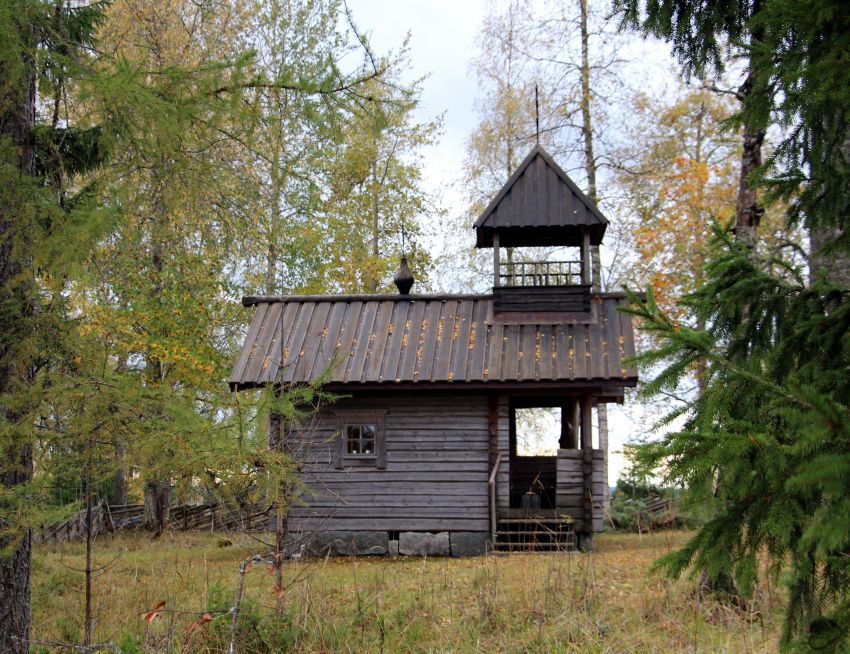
column 540, row 273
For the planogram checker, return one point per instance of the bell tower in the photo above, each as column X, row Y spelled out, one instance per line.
column 540, row 206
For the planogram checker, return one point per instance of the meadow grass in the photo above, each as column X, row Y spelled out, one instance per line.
column 607, row 601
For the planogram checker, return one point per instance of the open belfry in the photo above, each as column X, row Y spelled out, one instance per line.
column 420, row 452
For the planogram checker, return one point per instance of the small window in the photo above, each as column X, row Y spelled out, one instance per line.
column 361, row 439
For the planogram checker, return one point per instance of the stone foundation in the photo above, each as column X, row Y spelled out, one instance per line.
column 415, row 543
column 469, row 543
column 349, row 543
column 409, row 543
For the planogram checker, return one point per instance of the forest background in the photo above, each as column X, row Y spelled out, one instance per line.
column 162, row 159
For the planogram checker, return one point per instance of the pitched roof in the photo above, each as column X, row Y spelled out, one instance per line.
column 539, row 205
column 448, row 339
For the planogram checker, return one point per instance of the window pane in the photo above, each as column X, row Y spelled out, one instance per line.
column 367, row 440
column 353, row 439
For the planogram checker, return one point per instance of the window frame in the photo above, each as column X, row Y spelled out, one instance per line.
column 346, row 419
column 361, row 439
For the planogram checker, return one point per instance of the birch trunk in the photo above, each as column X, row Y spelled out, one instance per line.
column 376, row 216
column 157, row 490
column 595, row 261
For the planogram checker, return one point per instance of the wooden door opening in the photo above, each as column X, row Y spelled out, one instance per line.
column 535, row 436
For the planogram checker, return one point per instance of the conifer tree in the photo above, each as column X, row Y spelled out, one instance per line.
column 766, row 441
column 44, row 47
column 701, row 33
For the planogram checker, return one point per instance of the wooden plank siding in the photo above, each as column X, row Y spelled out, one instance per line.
column 437, row 451
column 522, row 299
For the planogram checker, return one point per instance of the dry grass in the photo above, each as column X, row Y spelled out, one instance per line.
column 604, row 602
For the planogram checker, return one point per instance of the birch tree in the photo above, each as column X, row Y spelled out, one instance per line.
column 377, row 208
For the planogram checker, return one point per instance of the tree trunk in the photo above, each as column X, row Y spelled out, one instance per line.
column 119, row 481
column 157, row 493
column 587, row 137
column 280, row 513
column 279, row 441
column 748, row 211
column 17, row 148
column 275, row 172
column 89, row 533
column 373, row 281
column 595, row 261
column 835, row 264
column 157, row 505
column 15, row 569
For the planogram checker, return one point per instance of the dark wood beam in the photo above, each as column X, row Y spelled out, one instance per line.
column 496, row 262
column 585, row 258
column 493, row 427
column 587, row 458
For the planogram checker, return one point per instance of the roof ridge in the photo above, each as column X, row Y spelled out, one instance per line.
column 254, row 300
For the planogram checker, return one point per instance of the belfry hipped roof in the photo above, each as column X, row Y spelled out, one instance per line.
column 539, row 206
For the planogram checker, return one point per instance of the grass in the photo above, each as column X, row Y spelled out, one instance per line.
column 603, row 602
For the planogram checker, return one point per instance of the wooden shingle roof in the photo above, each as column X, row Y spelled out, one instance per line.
column 538, row 206
column 422, row 340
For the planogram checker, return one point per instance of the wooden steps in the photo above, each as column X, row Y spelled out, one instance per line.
column 541, row 530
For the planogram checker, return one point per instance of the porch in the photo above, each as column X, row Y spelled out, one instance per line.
column 546, row 501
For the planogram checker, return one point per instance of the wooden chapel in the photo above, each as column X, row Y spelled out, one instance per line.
column 419, row 454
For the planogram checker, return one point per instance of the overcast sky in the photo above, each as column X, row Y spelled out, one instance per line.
column 442, row 43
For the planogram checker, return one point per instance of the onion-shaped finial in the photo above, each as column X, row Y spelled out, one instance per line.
column 403, row 278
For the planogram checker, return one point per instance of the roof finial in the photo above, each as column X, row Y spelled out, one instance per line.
column 536, row 115
column 403, row 277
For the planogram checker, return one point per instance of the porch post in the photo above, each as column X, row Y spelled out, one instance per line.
column 495, row 461
column 496, row 274
column 585, row 257
column 569, row 424
column 493, row 427
column 587, row 470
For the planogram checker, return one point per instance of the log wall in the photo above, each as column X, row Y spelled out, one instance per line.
column 526, row 299
column 437, row 451
column 503, row 480
column 570, row 488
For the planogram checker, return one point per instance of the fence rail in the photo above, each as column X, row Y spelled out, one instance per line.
column 106, row 518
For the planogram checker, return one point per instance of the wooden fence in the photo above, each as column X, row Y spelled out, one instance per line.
column 108, row 519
